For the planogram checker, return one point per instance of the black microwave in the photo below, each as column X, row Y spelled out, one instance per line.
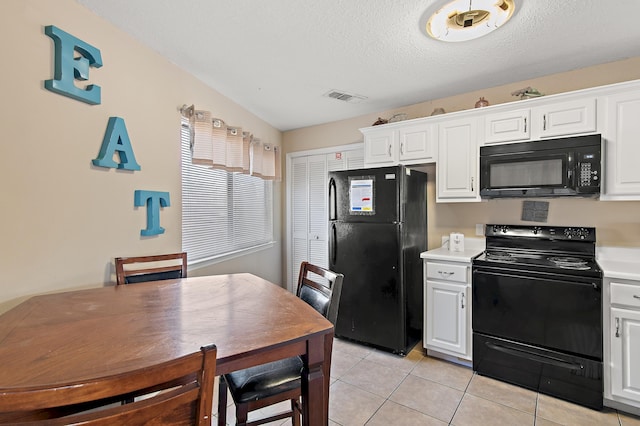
column 547, row 168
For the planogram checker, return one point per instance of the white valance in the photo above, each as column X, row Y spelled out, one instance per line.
column 220, row 146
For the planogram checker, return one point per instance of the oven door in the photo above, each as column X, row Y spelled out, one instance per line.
column 546, row 310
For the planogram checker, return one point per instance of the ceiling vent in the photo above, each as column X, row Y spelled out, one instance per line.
column 343, row 96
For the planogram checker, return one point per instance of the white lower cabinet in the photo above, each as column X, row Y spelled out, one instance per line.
column 624, row 339
column 447, row 323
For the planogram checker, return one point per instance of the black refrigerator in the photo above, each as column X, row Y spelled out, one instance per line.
column 377, row 230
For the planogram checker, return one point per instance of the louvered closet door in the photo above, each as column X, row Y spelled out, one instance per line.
column 309, row 198
column 299, row 216
column 309, row 203
column 318, row 216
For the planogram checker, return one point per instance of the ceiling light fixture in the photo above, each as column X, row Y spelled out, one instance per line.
column 462, row 20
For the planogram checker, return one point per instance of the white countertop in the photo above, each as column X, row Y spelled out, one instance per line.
column 619, row 262
column 472, row 248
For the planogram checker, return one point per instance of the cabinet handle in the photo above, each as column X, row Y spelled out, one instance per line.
column 446, row 273
column 389, row 150
column 471, row 184
column 462, row 301
column 544, row 122
column 402, row 148
column 525, row 124
column 635, row 296
column 617, row 327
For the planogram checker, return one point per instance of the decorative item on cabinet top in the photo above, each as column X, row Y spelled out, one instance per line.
column 527, row 92
column 393, row 119
column 219, row 146
column 398, row 117
column 482, row 102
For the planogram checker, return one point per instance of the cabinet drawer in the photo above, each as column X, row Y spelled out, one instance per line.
column 447, row 272
column 625, row 294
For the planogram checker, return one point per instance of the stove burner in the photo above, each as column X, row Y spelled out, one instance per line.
column 501, row 256
column 570, row 263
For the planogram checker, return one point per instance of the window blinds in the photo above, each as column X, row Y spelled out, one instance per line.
column 222, row 212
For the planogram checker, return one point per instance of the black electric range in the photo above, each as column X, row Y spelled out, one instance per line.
column 537, row 310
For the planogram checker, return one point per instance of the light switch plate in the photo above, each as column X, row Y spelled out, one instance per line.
column 479, row 229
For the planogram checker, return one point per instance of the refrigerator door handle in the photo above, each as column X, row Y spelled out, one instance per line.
column 332, row 245
column 333, row 208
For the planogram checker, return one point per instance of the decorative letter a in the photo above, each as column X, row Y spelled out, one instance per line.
column 116, row 139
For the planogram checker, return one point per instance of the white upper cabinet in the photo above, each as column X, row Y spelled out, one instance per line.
column 400, row 143
column 452, row 140
column 418, row 143
column 381, row 147
column 621, row 135
column 508, row 126
column 565, row 118
column 545, row 120
column 457, row 165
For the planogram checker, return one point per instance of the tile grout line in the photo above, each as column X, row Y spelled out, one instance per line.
column 464, row 392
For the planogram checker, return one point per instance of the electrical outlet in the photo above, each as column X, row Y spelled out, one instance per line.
column 479, row 229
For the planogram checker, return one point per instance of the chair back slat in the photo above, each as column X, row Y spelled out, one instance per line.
column 321, row 288
column 150, row 268
column 179, row 391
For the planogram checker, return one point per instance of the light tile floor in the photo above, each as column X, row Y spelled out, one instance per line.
column 375, row 388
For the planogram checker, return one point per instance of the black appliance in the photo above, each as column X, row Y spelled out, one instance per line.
column 377, row 230
column 537, row 311
column 548, row 168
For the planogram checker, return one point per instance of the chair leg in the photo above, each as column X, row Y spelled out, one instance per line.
column 242, row 413
column 295, row 412
column 222, row 402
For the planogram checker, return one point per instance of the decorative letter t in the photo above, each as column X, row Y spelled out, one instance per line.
column 153, row 200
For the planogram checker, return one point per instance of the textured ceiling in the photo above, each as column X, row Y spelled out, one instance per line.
column 277, row 58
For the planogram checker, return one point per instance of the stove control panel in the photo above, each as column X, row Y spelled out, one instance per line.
column 542, row 232
column 577, row 233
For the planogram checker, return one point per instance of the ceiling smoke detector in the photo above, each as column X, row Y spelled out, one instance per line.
column 462, row 20
column 345, row 97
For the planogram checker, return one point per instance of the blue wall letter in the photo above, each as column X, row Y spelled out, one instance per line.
column 67, row 68
column 115, row 139
column 153, row 200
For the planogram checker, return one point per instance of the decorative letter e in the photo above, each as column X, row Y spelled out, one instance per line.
column 68, row 68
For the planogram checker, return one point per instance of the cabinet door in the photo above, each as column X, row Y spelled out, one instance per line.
column 566, row 118
column 446, row 317
column 622, row 173
column 625, row 353
column 457, row 161
column 508, row 126
column 417, row 142
column 381, row 148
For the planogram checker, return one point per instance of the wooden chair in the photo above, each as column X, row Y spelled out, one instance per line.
column 274, row 382
column 151, row 268
column 180, row 392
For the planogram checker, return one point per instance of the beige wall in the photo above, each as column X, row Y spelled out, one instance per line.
column 63, row 220
column 618, row 223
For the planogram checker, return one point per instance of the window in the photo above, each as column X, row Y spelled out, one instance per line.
column 223, row 213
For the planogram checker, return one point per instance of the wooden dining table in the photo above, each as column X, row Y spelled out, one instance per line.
column 80, row 335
